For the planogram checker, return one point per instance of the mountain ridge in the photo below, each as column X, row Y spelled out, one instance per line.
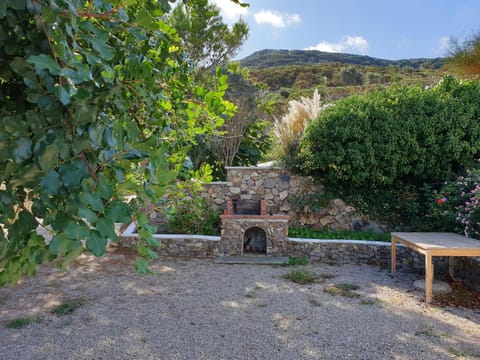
column 272, row 58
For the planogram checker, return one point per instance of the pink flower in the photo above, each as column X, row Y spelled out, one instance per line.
column 441, row 200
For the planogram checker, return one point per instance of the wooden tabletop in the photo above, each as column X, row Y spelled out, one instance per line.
column 437, row 241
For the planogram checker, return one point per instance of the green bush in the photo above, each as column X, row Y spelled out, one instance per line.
column 387, row 150
column 189, row 213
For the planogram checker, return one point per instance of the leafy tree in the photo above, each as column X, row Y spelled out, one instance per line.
column 96, row 102
column 464, row 59
column 206, row 39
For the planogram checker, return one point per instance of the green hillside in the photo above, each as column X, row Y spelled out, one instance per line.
column 287, row 75
column 271, row 58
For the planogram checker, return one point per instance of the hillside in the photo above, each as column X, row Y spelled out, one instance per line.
column 273, row 58
column 286, row 75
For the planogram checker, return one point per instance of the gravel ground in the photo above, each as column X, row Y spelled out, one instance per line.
column 196, row 309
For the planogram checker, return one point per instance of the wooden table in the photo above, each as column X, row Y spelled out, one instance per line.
column 435, row 244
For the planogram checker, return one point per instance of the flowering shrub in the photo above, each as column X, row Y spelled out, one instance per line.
column 468, row 213
column 460, row 200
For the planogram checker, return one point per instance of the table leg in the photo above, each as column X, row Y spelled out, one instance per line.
column 451, row 267
column 394, row 255
column 428, row 278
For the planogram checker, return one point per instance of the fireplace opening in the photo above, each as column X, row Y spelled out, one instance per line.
column 255, row 241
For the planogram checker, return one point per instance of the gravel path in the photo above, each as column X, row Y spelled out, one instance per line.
column 196, row 309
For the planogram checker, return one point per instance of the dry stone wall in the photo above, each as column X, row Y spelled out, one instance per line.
column 286, row 194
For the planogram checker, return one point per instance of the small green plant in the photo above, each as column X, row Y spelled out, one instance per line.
column 262, row 305
column 22, row 322
column 67, row 307
column 300, row 277
column 367, row 302
column 307, row 233
column 292, row 261
column 346, row 290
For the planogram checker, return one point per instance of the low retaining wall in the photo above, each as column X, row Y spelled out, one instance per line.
column 335, row 251
column 176, row 244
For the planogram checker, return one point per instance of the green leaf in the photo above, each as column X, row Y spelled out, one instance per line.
column 103, row 188
column 21, row 150
column 25, row 224
column 60, row 244
column 106, row 228
column 134, row 155
column 95, row 133
column 51, row 183
column 48, row 158
column 119, row 212
column 73, row 173
column 96, row 243
column 145, row 20
column 86, row 213
column 62, row 94
column 141, row 266
column 93, row 200
column 43, row 62
column 76, row 230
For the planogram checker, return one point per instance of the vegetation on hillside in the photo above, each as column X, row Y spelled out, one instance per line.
column 272, row 58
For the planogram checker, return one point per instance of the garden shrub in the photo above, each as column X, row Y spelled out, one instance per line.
column 387, row 150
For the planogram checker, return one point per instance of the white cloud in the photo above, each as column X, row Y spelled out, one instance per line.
column 443, row 45
column 346, row 44
column 276, row 19
column 230, row 11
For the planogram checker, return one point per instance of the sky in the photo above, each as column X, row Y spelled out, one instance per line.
column 384, row 29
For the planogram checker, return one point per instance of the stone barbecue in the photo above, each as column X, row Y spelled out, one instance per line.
column 248, row 229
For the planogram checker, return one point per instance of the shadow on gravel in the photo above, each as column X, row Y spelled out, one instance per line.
column 195, row 309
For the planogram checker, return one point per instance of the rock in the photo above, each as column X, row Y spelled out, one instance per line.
column 327, row 220
column 438, row 287
column 339, row 203
column 283, row 186
column 283, row 195
column 219, row 201
column 235, row 190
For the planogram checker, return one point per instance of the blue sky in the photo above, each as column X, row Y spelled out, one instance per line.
column 380, row 28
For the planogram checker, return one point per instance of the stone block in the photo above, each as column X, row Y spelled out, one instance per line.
column 283, row 186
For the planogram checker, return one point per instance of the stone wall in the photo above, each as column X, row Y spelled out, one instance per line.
column 286, row 194
column 330, row 251
column 197, row 246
